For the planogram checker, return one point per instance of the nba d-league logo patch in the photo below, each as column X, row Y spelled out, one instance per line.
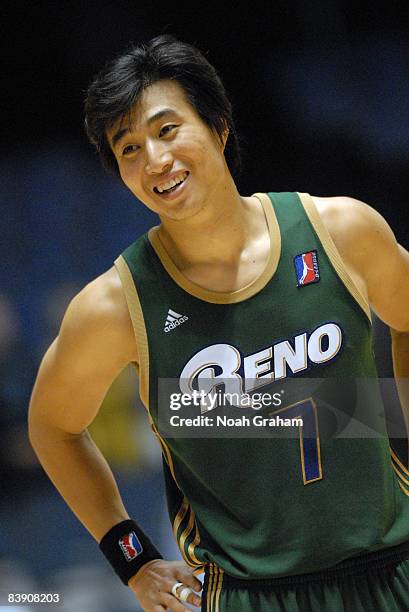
column 306, row 268
column 130, row 545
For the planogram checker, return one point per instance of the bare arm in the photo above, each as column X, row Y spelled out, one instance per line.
column 94, row 344
column 369, row 248
column 400, row 356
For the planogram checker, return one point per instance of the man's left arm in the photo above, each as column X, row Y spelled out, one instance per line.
column 400, row 349
column 400, row 357
column 368, row 245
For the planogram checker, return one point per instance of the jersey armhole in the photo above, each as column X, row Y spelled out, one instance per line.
column 332, row 252
column 139, row 327
column 138, row 324
column 142, row 368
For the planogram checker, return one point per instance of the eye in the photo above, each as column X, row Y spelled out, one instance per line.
column 166, row 129
column 129, row 149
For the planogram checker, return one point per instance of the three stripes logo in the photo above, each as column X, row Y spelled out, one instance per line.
column 173, row 320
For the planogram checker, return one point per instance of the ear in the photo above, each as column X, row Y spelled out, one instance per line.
column 224, row 136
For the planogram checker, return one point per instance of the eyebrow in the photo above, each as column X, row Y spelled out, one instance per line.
column 159, row 115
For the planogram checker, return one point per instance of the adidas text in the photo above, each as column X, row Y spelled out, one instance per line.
column 173, row 320
column 174, row 324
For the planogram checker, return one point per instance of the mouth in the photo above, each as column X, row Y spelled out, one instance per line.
column 173, row 185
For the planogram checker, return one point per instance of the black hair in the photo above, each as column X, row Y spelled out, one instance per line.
column 117, row 87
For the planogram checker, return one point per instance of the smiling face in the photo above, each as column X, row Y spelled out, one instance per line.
column 167, row 156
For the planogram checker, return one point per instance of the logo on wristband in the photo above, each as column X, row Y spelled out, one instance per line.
column 130, row 545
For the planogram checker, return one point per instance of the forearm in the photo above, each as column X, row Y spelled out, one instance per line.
column 400, row 356
column 82, row 476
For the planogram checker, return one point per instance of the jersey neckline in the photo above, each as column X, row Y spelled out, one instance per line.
column 226, row 297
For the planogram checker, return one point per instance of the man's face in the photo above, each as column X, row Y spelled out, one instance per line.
column 166, row 142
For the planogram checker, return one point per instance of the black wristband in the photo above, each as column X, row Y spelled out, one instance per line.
column 127, row 548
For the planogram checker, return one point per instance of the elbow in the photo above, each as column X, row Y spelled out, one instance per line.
column 32, row 426
column 35, row 432
column 42, row 434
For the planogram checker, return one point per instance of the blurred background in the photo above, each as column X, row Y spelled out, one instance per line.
column 320, row 91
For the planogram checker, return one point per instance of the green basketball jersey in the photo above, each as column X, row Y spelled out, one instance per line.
column 271, row 505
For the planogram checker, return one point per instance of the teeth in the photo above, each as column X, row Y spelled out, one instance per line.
column 175, row 181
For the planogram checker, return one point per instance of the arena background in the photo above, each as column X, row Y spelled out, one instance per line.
column 320, row 92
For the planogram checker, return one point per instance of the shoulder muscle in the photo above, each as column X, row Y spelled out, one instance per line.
column 368, row 245
column 95, row 343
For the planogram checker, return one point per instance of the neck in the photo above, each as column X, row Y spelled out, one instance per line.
column 219, row 233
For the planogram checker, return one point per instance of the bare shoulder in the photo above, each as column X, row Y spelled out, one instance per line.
column 347, row 218
column 102, row 297
column 94, row 344
column 341, row 214
column 371, row 252
column 353, row 226
column 100, row 310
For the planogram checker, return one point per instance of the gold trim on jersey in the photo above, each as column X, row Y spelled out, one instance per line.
column 187, row 530
column 209, row 593
column 332, row 252
column 138, row 323
column 181, row 540
column 226, row 297
column 218, row 590
column 180, row 516
column 403, row 489
column 396, row 458
column 214, row 588
column 184, row 508
column 196, row 540
column 166, row 452
column 402, row 479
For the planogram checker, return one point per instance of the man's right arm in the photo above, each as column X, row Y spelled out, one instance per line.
column 95, row 343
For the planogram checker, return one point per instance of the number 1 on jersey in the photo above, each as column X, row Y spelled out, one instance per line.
column 310, row 449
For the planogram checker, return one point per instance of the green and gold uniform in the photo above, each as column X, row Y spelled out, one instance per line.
column 305, row 522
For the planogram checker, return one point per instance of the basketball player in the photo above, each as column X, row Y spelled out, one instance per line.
column 251, row 290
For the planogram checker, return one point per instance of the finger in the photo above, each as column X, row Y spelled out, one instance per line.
column 192, row 598
column 173, row 603
column 191, row 581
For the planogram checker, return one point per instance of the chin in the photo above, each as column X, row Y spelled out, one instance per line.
column 176, row 215
column 182, row 213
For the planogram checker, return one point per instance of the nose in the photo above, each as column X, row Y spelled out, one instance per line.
column 158, row 158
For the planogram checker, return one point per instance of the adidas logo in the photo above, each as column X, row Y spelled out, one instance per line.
column 173, row 320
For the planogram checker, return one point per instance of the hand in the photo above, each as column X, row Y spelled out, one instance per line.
column 153, row 584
